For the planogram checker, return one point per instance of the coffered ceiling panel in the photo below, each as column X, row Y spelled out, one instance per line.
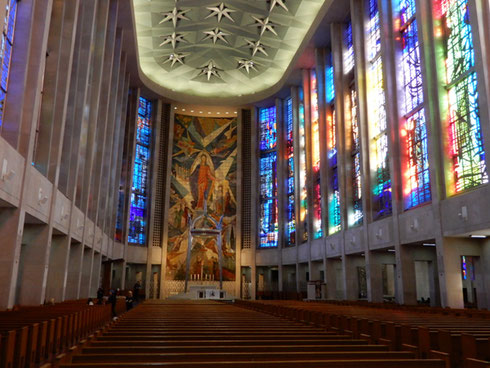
column 212, row 49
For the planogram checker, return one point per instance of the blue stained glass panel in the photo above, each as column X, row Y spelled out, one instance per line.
column 139, row 191
column 7, row 41
column 268, row 128
column 268, row 222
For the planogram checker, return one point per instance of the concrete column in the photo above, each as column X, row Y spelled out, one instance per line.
column 157, row 126
column 374, row 277
column 330, row 278
column 96, row 274
column 74, row 270
column 350, row 281
column 87, row 264
column 58, row 266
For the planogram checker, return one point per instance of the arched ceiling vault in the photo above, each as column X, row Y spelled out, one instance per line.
column 226, row 52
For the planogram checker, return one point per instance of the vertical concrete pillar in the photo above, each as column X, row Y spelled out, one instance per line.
column 58, row 265
column 74, row 270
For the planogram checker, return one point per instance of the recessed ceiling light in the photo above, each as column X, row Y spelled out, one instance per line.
column 209, row 112
column 200, row 112
column 183, row 109
column 235, row 112
column 428, row 244
column 175, row 108
column 192, row 110
column 478, row 236
column 218, row 113
column 227, row 112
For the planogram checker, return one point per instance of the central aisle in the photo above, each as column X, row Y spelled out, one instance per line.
column 216, row 334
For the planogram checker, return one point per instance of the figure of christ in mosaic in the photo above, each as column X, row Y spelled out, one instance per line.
column 203, row 178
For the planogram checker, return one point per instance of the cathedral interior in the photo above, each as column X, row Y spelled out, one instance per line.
column 257, row 147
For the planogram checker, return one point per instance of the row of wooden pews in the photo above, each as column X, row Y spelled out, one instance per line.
column 214, row 334
column 463, row 339
column 31, row 336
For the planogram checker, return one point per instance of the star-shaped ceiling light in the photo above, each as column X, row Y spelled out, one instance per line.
column 256, row 46
column 209, row 70
column 278, row 2
column 173, row 39
column 247, row 65
column 174, row 16
column 175, row 58
column 265, row 25
column 216, row 34
column 220, row 11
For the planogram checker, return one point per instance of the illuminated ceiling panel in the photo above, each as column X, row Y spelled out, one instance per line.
column 211, row 49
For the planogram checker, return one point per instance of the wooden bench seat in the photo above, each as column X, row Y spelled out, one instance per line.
column 375, row 363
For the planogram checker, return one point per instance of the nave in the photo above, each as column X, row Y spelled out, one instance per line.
column 218, row 334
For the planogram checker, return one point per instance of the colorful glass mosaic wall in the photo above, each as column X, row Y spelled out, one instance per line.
column 138, row 217
column 415, row 164
column 291, row 208
column 467, row 165
column 268, row 178
column 315, row 158
column 381, row 185
column 6, row 51
column 303, row 211
column 355, row 213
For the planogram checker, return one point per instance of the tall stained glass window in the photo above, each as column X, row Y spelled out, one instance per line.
column 291, row 208
column 315, row 158
column 349, row 49
column 415, row 163
column 355, row 214
column 138, row 217
column 303, row 211
column 269, row 225
column 379, row 161
column 6, row 51
column 467, row 165
column 334, row 224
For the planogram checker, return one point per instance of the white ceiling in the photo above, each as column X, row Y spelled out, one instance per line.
column 232, row 50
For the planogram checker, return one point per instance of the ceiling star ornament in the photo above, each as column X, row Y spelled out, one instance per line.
column 220, row 11
column 209, row 70
column 278, row 2
column 174, row 16
column 265, row 25
column 173, row 39
column 216, row 34
column 256, row 46
column 247, row 65
column 175, row 58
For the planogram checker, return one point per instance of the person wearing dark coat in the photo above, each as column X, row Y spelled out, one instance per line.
column 113, row 300
column 129, row 300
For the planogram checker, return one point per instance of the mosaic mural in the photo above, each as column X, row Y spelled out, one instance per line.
column 203, row 177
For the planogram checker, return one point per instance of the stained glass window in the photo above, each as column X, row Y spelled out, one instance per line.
column 291, row 208
column 302, row 169
column 6, row 51
column 381, row 186
column 329, row 85
column 334, row 197
column 413, row 133
column 269, row 226
column 138, row 217
column 315, row 158
column 355, row 212
column 349, row 49
column 465, row 141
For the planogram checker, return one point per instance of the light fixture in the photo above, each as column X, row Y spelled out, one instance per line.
column 192, row 110
column 428, row 244
column 391, row 250
column 218, row 113
column 183, row 109
column 175, row 108
column 227, row 113
column 474, row 236
column 200, row 112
